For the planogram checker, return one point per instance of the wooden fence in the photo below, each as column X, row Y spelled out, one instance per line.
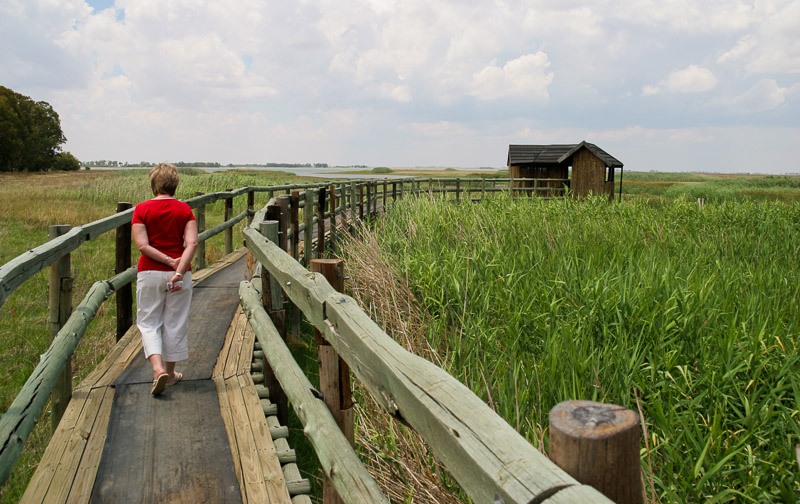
column 491, row 461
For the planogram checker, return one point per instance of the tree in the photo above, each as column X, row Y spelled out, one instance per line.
column 30, row 133
column 65, row 161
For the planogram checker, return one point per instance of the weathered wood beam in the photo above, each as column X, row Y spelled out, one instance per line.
column 338, row 460
column 205, row 235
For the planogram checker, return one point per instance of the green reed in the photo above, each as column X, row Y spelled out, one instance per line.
column 535, row 302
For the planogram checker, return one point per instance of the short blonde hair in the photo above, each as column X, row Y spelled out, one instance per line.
column 164, row 179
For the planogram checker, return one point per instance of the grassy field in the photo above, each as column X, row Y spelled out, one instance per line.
column 32, row 202
column 713, row 188
column 694, row 311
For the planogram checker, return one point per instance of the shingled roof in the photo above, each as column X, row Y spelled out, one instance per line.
column 555, row 154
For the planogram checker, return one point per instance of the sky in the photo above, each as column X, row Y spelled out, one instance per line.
column 665, row 85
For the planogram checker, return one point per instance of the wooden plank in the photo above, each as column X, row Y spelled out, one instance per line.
column 230, row 431
column 40, row 482
column 252, row 476
column 173, row 446
column 246, row 347
column 81, row 490
column 237, row 340
column 267, row 455
column 222, row 359
column 68, row 466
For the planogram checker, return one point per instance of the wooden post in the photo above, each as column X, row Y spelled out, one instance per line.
column 361, row 201
column 332, row 191
column 272, row 300
column 251, row 204
column 343, row 203
column 229, row 231
column 60, row 307
column 200, row 252
column 294, row 220
column 375, row 198
column 394, row 192
column 334, row 374
column 598, row 444
column 283, row 219
column 353, row 203
column 458, row 189
column 308, row 234
column 483, row 189
column 125, row 293
column 322, row 199
column 385, row 190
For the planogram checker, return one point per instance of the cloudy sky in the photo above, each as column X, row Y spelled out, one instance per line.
column 672, row 85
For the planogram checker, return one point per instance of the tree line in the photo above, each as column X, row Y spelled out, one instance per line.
column 31, row 136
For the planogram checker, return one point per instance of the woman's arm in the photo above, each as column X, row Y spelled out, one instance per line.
column 190, row 239
column 142, row 241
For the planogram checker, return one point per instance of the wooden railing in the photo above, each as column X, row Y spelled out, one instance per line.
column 51, row 378
column 491, row 461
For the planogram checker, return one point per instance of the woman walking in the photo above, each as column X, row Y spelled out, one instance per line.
column 165, row 232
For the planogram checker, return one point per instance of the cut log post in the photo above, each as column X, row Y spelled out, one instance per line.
column 385, row 190
column 598, row 445
column 394, row 192
column 229, row 231
column 272, row 300
column 200, row 252
column 334, row 374
column 123, row 262
column 60, row 304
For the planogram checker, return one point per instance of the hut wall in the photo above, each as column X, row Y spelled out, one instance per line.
column 588, row 174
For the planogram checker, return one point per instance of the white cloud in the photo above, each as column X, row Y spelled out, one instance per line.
column 773, row 46
column 692, row 79
column 525, row 77
column 765, row 95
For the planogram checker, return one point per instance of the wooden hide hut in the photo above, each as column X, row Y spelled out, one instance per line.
column 592, row 169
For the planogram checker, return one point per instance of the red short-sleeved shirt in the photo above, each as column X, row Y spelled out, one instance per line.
column 165, row 220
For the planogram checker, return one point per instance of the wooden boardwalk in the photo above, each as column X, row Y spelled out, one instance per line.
column 205, row 439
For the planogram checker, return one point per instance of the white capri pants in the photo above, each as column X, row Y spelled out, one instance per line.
column 163, row 317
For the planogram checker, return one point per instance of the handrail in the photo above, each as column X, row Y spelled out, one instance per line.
column 350, row 478
column 484, row 454
column 18, row 422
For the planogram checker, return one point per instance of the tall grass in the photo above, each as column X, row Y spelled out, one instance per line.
column 534, row 302
column 712, row 188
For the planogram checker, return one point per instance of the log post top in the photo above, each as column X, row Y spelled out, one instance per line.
column 592, row 420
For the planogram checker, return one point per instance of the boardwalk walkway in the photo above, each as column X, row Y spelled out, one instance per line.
column 204, row 440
